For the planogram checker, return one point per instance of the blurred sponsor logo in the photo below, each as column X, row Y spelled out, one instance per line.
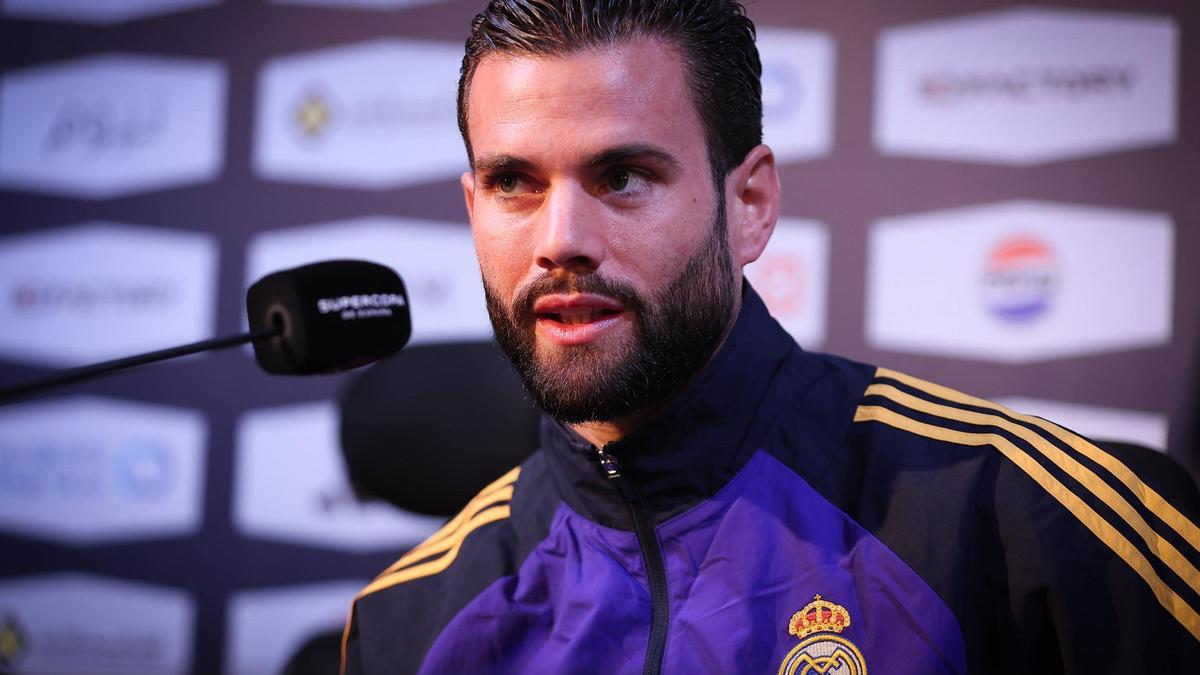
column 89, row 470
column 797, row 92
column 104, row 290
column 1063, row 280
column 1006, row 87
column 319, row 115
column 54, row 295
column 436, row 260
column 267, row 627
column 1019, row 278
column 12, row 641
column 1096, row 422
column 782, row 91
column 72, row 624
column 342, row 117
column 146, row 470
column 792, row 277
column 290, row 484
column 90, row 11
column 112, row 125
column 313, row 114
column 1028, row 85
column 100, row 126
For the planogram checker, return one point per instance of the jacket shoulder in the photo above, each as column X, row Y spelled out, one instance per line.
column 396, row 618
column 1071, row 514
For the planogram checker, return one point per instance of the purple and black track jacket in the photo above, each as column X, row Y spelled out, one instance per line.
column 801, row 513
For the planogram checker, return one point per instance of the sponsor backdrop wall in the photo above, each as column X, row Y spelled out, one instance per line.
column 1000, row 198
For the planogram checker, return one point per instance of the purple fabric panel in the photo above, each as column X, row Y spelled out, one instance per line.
column 741, row 564
column 579, row 604
column 738, row 567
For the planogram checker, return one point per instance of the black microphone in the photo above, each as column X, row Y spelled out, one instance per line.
column 330, row 316
column 318, row 318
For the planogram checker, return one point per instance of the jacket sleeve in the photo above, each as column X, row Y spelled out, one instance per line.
column 1100, row 552
column 351, row 658
column 396, row 618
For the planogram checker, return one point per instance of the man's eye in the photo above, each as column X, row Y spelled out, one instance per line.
column 618, row 180
column 625, row 181
column 509, row 184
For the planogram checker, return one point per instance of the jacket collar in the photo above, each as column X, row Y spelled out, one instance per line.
column 694, row 447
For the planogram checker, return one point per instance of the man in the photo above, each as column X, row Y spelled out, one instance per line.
column 709, row 497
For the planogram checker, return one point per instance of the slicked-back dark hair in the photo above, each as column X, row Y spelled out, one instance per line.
column 714, row 38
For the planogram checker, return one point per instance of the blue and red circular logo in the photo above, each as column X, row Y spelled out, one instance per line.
column 1020, row 279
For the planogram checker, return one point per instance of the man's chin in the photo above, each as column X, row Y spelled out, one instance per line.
column 584, row 365
column 580, row 383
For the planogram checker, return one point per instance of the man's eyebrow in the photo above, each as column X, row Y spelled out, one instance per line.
column 499, row 163
column 487, row 164
column 624, row 153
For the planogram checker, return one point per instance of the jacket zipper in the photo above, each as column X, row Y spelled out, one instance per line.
column 656, row 572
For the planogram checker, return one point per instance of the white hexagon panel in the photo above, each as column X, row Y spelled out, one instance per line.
column 112, row 125
column 1020, row 281
column 290, row 484
column 90, row 11
column 797, row 92
column 87, row 470
column 435, row 259
column 374, row 115
column 792, row 277
column 82, row 624
column 99, row 291
column 266, row 627
column 1027, row 85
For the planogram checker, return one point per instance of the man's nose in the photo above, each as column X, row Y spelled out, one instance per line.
column 571, row 235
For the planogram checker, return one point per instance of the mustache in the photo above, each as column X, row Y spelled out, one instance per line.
column 547, row 284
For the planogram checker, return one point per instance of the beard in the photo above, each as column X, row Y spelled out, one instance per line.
column 675, row 332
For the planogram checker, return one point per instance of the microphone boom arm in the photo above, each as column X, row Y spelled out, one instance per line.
column 72, row 375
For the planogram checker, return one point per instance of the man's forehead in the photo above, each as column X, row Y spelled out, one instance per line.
column 632, row 90
column 625, row 72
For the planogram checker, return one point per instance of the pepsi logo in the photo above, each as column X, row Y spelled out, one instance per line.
column 1020, row 279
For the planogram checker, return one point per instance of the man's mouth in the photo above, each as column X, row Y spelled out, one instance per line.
column 576, row 318
column 573, row 317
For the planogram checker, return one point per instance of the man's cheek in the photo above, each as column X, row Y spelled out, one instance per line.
column 503, row 249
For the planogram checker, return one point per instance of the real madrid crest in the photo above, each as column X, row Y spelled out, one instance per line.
column 822, row 650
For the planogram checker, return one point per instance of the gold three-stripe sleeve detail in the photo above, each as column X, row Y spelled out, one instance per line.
column 1040, row 434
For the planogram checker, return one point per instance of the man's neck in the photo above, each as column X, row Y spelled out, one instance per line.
column 601, row 433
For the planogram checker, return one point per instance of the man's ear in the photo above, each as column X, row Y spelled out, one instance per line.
column 468, row 186
column 752, row 194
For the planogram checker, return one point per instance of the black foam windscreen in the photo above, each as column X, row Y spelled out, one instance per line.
column 334, row 315
column 429, row 427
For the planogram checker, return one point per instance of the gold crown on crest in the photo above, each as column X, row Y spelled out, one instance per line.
column 819, row 616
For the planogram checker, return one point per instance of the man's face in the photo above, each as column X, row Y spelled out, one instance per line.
column 600, row 234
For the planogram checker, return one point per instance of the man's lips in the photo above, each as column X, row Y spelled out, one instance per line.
column 576, row 318
column 575, row 308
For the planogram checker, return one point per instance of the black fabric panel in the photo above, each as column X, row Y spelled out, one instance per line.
column 980, row 531
column 394, row 628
